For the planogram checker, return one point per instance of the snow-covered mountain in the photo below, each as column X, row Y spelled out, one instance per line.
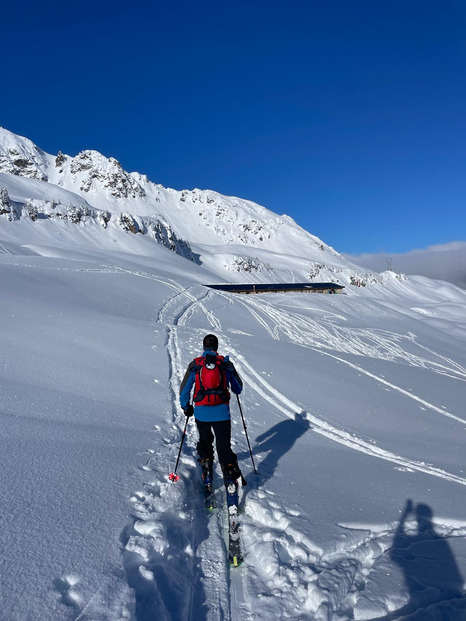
column 354, row 407
column 235, row 239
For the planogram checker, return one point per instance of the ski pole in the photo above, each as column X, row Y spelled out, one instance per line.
column 173, row 476
column 246, row 433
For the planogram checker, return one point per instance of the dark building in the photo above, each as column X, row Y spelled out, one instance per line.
column 307, row 287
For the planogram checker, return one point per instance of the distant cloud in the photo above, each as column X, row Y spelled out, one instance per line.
column 443, row 262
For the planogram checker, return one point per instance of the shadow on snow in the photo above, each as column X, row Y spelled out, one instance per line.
column 429, row 569
column 276, row 442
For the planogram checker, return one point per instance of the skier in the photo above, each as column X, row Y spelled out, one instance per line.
column 212, row 375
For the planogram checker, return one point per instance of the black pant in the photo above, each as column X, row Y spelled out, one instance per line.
column 205, row 448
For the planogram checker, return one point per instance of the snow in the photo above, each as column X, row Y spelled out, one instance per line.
column 37, row 189
column 354, row 406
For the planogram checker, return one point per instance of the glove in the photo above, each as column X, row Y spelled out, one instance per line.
column 188, row 411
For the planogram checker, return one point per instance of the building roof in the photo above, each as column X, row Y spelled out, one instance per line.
column 274, row 287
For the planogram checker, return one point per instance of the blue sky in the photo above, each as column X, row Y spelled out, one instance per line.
column 348, row 116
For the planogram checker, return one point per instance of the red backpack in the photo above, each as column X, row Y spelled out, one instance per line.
column 210, row 386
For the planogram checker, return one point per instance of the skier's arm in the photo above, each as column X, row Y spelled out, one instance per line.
column 400, row 530
column 236, row 382
column 186, row 386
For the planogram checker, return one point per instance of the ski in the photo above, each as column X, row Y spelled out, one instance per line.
column 235, row 553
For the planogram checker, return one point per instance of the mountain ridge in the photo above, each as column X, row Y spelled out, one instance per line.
column 231, row 236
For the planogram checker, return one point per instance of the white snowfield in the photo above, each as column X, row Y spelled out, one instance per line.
column 354, row 405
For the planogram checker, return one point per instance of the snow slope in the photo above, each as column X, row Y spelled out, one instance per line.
column 354, row 406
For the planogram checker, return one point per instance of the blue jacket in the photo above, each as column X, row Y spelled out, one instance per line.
column 209, row 413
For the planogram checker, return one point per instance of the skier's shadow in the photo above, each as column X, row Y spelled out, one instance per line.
column 429, row 568
column 276, row 442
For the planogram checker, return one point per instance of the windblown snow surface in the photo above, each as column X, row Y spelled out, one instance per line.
column 355, row 412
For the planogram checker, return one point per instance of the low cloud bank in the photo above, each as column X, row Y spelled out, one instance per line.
column 442, row 262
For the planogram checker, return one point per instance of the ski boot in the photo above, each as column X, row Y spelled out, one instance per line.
column 231, row 474
column 207, row 471
column 208, row 479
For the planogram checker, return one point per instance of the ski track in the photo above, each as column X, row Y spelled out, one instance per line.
column 175, row 554
column 215, row 575
column 379, row 344
column 103, row 269
column 302, row 331
column 297, row 330
column 4, row 250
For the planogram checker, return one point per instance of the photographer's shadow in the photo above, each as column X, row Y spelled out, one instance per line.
column 429, row 568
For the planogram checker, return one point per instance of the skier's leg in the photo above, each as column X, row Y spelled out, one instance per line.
column 205, row 446
column 222, row 431
column 228, row 460
column 205, row 450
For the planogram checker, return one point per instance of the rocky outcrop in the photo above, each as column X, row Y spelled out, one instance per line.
column 96, row 172
column 249, row 265
column 24, row 159
column 5, row 206
column 83, row 215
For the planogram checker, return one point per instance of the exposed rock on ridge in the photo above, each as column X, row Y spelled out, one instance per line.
column 19, row 156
